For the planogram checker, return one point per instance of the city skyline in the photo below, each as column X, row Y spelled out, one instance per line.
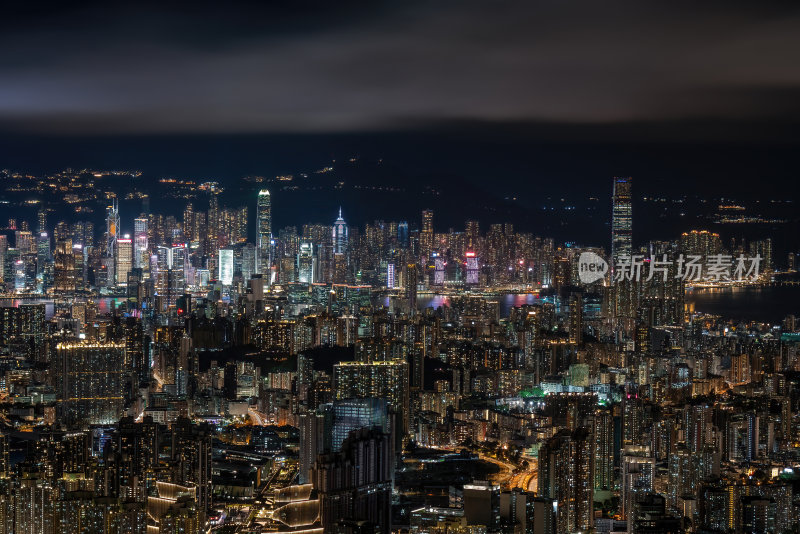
column 453, row 267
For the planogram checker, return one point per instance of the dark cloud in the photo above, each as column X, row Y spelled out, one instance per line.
column 327, row 66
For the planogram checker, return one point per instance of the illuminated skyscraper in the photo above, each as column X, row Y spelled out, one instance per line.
column 426, row 234
column 340, row 235
column 141, row 254
column 226, row 266
column 24, row 241
column 621, row 220
column 264, row 218
column 124, row 259
column 379, row 379
column 249, row 263
column 638, row 476
column 473, row 271
column 402, row 234
column 566, row 475
column 189, row 223
column 603, row 449
column 438, row 273
column 3, row 255
column 191, row 459
column 472, row 233
column 213, row 226
column 91, row 386
column 305, row 263
column 411, row 284
column 112, row 228
column 264, row 230
column 42, row 252
column 390, row 276
column 42, row 217
column 169, row 271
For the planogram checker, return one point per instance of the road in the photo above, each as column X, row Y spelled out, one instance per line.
column 256, row 416
column 527, row 480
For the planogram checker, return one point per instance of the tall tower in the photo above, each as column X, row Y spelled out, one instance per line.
column 188, row 223
column 213, row 217
column 124, row 259
column 141, row 257
column 411, row 284
column 112, row 228
column 339, row 235
column 264, row 230
column 264, row 219
column 402, row 234
column 566, row 475
column 426, row 234
column 621, row 219
column 42, row 217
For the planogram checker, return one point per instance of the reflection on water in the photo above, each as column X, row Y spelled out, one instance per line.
column 750, row 303
column 103, row 304
column 756, row 303
column 506, row 302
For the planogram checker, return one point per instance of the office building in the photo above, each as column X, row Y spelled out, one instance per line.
column 621, row 220
column 340, row 235
column 124, row 253
column 141, row 251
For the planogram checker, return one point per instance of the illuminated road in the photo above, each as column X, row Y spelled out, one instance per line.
column 256, row 416
column 505, row 475
column 158, row 379
column 527, row 480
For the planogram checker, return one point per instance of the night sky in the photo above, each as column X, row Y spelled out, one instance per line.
column 728, row 69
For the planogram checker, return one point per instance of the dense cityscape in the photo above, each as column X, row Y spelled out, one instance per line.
column 358, row 267
column 172, row 373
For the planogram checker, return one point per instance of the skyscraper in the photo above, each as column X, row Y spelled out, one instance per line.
column 402, row 234
column 353, row 414
column 112, row 228
column 42, row 218
column 91, row 381
column 191, row 459
column 621, row 219
column 638, row 476
column 264, row 230
column 170, row 272
column 340, row 235
column 141, row 255
column 566, row 476
column 387, row 379
column 213, row 226
column 325, row 430
column 124, row 259
column 264, row 218
column 473, row 269
column 226, row 266
column 426, row 234
column 411, row 285
column 305, row 263
column 355, row 484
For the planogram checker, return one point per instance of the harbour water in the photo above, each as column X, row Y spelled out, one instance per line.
column 754, row 303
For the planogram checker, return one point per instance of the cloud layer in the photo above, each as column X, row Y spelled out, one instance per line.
column 318, row 67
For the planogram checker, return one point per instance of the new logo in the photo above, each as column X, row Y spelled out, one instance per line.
column 591, row 267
